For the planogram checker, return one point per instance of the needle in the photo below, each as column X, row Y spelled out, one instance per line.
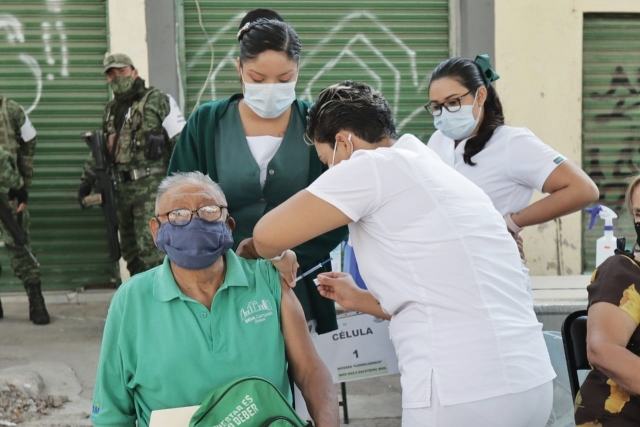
column 308, row 272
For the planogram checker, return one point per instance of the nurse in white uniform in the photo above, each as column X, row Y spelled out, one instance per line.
column 437, row 259
column 508, row 163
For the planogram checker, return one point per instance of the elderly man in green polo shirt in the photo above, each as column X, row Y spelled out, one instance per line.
column 202, row 318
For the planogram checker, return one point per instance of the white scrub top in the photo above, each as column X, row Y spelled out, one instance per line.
column 263, row 148
column 436, row 254
column 511, row 165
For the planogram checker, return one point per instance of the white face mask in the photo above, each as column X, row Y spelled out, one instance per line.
column 333, row 159
column 269, row 100
column 457, row 125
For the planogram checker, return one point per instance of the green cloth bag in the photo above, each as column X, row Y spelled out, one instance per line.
column 246, row 402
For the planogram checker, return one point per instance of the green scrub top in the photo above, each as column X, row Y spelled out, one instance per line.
column 213, row 142
column 161, row 349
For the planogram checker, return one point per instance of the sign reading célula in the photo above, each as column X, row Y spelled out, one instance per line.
column 360, row 348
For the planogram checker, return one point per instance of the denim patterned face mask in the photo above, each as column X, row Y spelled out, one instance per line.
column 194, row 246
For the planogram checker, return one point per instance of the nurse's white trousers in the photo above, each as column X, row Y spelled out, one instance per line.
column 530, row 408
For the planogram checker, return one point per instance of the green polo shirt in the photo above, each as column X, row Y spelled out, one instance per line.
column 162, row 349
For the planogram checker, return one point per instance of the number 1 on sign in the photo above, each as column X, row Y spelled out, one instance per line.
column 356, row 353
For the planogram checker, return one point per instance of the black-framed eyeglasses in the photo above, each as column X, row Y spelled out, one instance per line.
column 182, row 217
column 451, row 105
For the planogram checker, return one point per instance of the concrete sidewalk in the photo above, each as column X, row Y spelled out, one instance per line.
column 65, row 354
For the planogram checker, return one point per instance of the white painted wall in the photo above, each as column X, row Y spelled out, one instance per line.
column 128, row 32
column 539, row 58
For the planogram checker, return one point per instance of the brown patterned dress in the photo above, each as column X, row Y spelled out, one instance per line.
column 601, row 402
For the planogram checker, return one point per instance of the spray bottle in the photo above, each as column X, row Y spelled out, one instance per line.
column 605, row 245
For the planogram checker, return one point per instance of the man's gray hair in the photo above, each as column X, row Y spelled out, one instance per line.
column 193, row 178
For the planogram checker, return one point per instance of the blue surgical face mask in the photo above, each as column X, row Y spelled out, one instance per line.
column 269, row 100
column 458, row 125
column 196, row 245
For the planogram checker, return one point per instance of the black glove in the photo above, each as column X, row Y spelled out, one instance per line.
column 22, row 195
column 83, row 191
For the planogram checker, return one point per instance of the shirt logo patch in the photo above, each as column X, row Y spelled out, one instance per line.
column 95, row 410
column 558, row 160
column 256, row 312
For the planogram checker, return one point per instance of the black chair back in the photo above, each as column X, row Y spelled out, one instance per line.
column 574, row 338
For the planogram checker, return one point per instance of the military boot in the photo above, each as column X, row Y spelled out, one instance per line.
column 37, row 311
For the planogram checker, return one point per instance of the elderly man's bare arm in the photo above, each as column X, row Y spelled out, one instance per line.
column 309, row 371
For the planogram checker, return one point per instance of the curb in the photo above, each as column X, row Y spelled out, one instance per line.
column 61, row 297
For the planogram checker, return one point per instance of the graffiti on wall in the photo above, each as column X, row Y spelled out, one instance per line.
column 369, row 46
column 610, row 168
column 55, row 47
column 623, row 92
column 364, row 56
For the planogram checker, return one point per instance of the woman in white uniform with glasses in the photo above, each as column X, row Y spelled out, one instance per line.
column 508, row 163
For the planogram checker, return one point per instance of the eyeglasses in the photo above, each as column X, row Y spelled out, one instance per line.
column 182, row 217
column 451, row 105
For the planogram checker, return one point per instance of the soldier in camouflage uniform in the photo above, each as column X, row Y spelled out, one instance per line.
column 17, row 147
column 142, row 126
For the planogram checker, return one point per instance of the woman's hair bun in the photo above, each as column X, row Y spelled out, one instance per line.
column 261, row 13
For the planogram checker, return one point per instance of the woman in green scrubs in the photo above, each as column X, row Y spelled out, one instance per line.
column 252, row 145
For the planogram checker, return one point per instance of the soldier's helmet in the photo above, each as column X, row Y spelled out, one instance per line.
column 116, row 60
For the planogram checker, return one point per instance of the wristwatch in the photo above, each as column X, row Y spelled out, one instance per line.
column 512, row 226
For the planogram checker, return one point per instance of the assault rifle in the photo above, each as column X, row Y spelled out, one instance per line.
column 104, row 184
column 15, row 229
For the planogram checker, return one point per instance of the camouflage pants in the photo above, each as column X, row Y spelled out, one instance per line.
column 135, row 203
column 21, row 263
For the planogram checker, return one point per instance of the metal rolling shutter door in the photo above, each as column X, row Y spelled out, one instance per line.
column 50, row 62
column 390, row 45
column 611, row 117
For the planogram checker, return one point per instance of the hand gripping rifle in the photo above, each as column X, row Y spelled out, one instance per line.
column 14, row 228
column 104, row 184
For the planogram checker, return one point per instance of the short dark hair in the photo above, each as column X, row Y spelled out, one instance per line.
column 469, row 75
column 264, row 29
column 352, row 106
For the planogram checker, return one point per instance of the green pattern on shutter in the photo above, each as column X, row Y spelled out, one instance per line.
column 51, row 63
column 611, row 117
column 393, row 46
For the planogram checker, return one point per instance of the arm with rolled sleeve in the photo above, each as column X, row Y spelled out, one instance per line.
column 26, row 134
column 162, row 112
column 156, row 109
column 534, row 164
column 173, row 122
column 113, row 403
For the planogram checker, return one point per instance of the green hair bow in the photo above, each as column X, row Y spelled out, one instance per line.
column 487, row 72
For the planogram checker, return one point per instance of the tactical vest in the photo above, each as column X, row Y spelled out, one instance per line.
column 132, row 140
column 8, row 139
